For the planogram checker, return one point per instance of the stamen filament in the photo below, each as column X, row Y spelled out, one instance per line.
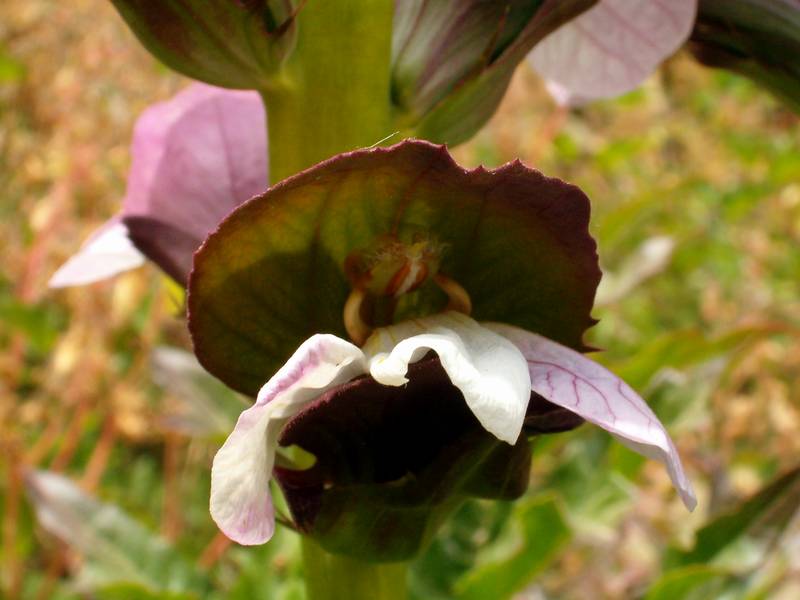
column 359, row 330
column 356, row 328
column 459, row 298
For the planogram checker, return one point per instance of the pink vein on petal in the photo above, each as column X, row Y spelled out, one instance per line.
column 575, row 380
column 613, row 46
column 635, row 32
column 560, row 374
column 607, row 48
column 670, row 15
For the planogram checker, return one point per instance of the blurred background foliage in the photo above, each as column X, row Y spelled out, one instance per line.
column 695, row 183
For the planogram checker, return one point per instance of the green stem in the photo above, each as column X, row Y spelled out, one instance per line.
column 336, row 92
column 333, row 577
column 335, row 96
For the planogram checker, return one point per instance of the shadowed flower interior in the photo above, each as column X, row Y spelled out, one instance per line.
column 396, row 459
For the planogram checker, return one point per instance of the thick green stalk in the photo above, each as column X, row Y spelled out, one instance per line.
column 335, row 96
column 333, row 577
column 336, row 88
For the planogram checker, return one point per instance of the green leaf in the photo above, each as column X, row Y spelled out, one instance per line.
column 116, row 548
column 684, row 349
column 542, row 533
column 473, row 98
column 590, row 462
column 205, row 407
column 274, row 273
column 456, row 548
column 751, row 527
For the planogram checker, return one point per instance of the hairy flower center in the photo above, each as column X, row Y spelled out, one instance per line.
column 388, row 269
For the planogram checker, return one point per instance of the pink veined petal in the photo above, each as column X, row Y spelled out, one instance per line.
column 241, row 504
column 490, row 372
column 108, row 252
column 571, row 380
column 612, row 47
column 196, row 157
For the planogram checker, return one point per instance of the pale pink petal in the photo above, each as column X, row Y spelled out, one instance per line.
column 571, row 380
column 241, row 503
column 487, row 368
column 108, row 252
column 195, row 158
column 612, row 47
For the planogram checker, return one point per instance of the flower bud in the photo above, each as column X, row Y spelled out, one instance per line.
column 453, row 59
column 759, row 39
column 233, row 44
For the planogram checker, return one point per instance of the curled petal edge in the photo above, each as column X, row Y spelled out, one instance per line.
column 241, row 503
column 488, row 369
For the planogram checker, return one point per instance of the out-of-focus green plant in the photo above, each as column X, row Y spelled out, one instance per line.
column 117, row 549
column 732, row 553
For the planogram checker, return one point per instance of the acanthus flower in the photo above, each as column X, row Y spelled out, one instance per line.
column 466, row 338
